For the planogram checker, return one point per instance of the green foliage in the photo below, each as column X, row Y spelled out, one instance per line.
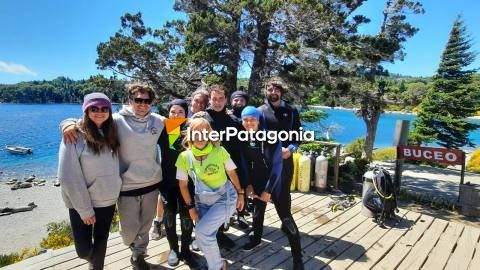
column 352, row 172
column 61, row 90
column 316, row 148
column 389, row 153
column 356, row 147
column 473, row 164
column 313, row 116
column 59, row 235
column 452, row 97
column 7, row 259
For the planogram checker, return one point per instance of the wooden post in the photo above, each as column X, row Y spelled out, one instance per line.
column 337, row 164
column 462, row 176
column 400, row 138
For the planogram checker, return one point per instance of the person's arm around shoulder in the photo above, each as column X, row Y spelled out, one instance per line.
column 69, row 130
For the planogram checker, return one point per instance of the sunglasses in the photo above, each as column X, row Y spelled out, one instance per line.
column 94, row 109
column 146, row 101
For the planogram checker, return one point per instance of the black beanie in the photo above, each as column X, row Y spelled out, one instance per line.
column 179, row 102
column 239, row 94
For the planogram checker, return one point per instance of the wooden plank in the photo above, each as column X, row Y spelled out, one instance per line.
column 344, row 260
column 422, row 248
column 401, row 248
column 158, row 256
column 329, row 222
column 475, row 262
column 463, row 253
column 322, row 250
column 438, row 257
column 371, row 257
column 272, row 233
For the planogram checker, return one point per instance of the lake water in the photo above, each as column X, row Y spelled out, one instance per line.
column 36, row 126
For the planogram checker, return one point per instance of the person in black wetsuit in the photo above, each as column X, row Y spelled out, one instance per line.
column 280, row 116
column 170, row 191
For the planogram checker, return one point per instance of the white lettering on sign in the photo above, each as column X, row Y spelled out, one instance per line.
column 451, row 157
column 430, row 155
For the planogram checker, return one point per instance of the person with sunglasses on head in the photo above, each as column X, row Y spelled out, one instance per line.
column 170, row 190
column 89, row 175
column 208, row 164
column 264, row 174
column 138, row 131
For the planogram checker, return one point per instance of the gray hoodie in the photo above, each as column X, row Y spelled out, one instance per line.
column 88, row 180
column 139, row 156
column 138, row 153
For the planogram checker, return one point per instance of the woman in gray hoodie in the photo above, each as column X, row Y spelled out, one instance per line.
column 90, row 179
column 138, row 132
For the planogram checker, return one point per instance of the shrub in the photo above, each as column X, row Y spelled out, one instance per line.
column 7, row 259
column 59, row 235
column 356, row 147
column 389, row 153
column 474, row 163
column 351, row 172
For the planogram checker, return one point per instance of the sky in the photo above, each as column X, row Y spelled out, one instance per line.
column 44, row 39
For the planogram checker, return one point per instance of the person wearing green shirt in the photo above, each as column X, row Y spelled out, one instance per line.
column 216, row 196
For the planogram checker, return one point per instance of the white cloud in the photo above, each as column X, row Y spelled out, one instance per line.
column 15, row 69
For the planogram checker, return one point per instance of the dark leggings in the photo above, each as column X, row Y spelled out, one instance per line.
column 173, row 206
column 92, row 251
column 282, row 201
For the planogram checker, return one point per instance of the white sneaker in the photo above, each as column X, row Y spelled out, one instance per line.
column 195, row 246
column 173, row 258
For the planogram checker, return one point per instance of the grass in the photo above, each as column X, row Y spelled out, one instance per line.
column 59, row 236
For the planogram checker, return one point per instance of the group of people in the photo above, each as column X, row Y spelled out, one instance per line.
column 126, row 159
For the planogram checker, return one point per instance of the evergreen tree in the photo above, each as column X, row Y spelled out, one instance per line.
column 452, row 98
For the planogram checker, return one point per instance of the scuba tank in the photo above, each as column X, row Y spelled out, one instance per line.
column 304, row 167
column 296, row 158
column 313, row 157
column 321, row 172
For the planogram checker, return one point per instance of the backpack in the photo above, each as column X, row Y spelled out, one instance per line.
column 378, row 195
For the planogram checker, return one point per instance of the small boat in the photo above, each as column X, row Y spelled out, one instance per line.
column 16, row 149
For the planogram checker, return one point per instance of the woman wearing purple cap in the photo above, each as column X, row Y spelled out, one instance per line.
column 89, row 175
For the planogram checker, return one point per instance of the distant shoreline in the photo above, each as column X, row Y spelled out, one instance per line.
column 477, row 117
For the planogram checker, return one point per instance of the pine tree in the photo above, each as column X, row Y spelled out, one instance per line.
column 452, row 97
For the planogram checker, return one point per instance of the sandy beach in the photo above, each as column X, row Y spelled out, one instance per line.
column 26, row 229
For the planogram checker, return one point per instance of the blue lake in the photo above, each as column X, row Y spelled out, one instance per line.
column 36, row 126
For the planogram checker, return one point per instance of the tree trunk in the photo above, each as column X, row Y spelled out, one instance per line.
column 370, row 117
column 259, row 56
column 234, row 59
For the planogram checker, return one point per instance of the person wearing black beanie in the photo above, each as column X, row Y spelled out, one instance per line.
column 239, row 100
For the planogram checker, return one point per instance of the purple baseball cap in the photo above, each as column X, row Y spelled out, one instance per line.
column 96, row 99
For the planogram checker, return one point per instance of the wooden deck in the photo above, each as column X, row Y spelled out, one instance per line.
column 340, row 240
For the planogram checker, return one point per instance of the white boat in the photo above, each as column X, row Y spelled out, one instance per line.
column 16, row 149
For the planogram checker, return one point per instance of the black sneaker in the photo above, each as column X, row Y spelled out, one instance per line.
column 139, row 263
column 251, row 245
column 242, row 222
column 224, row 241
column 189, row 260
column 158, row 230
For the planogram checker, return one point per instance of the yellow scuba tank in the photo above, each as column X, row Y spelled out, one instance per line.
column 296, row 158
column 304, row 168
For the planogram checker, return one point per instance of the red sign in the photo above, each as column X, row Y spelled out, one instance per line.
column 438, row 155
